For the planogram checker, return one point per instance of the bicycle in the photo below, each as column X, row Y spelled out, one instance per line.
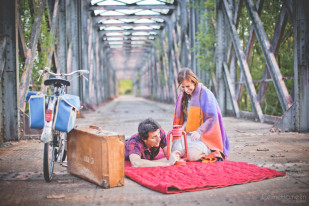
column 59, row 118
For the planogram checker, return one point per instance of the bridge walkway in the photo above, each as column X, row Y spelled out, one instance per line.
column 22, row 183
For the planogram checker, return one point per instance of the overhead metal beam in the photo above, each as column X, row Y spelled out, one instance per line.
column 130, row 35
column 133, row 48
column 126, row 40
column 131, row 51
column 127, row 46
column 127, row 51
column 129, row 30
column 133, row 16
column 132, row 7
column 127, row 43
column 130, row 24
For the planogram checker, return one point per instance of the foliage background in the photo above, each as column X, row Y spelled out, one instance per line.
column 125, row 87
column 205, row 50
column 44, row 42
column 270, row 13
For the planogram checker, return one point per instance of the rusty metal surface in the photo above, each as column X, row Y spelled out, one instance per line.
column 8, row 98
column 22, row 182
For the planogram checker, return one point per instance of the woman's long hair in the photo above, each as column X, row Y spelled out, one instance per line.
column 188, row 75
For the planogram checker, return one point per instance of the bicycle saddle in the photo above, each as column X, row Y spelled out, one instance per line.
column 56, row 82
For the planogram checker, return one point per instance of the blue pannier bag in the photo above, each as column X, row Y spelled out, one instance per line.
column 67, row 107
column 36, row 111
column 31, row 93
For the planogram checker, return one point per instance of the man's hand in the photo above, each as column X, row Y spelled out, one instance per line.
column 195, row 136
column 174, row 157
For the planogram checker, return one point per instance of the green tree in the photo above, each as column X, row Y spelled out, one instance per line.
column 206, row 35
column 40, row 60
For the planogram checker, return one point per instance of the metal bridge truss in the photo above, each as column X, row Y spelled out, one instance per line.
column 155, row 41
column 230, row 51
column 75, row 44
column 227, row 83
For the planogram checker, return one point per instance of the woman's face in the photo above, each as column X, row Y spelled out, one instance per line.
column 188, row 87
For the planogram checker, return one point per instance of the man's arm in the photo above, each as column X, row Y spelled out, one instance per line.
column 137, row 161
column 165, row 151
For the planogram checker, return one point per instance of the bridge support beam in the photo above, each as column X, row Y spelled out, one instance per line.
column 301, row 65
column 297, row 117
column 83, row 26
column 283, row 95
column 183, row 35
column 61, row 36
column 9, row 76
column 172, row 76
column 301, row 60
column 220, row 53
column 73, row 39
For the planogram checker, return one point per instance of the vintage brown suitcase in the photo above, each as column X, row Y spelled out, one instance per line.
column 96, row 155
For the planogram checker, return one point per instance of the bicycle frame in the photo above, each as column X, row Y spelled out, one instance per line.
column 54, row 140
column 47, row 130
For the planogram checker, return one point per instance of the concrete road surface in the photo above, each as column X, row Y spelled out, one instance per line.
column 22, row 183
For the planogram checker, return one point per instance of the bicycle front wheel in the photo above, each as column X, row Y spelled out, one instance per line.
column 49, row 158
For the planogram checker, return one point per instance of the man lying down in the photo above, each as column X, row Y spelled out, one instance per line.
column 142, row 148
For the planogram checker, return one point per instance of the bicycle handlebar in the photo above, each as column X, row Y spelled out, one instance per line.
column 46, row 70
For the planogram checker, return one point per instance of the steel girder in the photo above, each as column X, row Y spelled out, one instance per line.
column 243, row 63
column 9, row 75
column 283, row 95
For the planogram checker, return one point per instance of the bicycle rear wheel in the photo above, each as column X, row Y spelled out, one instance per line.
column 49, row 158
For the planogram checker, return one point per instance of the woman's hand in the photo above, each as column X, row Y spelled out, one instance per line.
column 174, row 157
column 195, row 136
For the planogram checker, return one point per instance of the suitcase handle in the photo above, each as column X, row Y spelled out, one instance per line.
column 100, row 130
column 95, row 127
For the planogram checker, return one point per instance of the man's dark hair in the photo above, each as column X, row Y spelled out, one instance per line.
column 148, row 125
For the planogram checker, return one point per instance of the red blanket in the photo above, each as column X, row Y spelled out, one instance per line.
column 198, row 176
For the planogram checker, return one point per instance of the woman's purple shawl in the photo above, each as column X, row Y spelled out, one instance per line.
column 205, row 117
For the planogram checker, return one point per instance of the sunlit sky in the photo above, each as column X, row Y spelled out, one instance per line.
column 118, row 2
